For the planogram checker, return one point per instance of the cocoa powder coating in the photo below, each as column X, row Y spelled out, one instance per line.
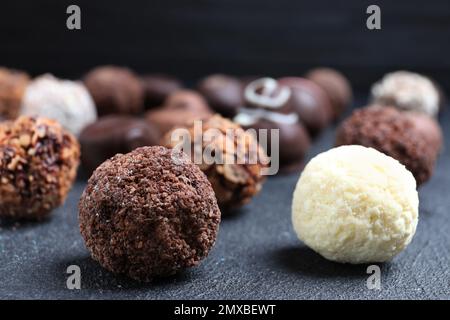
column 148, row 213
column 394, row 133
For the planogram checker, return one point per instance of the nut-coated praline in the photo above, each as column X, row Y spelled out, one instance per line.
column 38, row 165
column 148, row 213
column 238, row 177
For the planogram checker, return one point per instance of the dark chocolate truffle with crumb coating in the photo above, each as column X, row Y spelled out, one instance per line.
column 38, row 165
column 148, row 213
column 397, row 134
column 115, row 90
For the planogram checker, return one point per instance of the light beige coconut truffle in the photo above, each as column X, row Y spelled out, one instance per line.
column 354, row 204
column 65, row 101
column 407, row 91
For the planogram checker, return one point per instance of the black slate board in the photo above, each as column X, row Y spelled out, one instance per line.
column 257, row 255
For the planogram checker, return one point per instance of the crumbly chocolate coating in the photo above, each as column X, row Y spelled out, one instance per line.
column 38, row 165
column 336, row 86
column 115, row 90
column 148, row 213
column 224, row 93
column 158, row 87
column 12, row 89
column 236, row 180
column 114, row 134
column 394, row 133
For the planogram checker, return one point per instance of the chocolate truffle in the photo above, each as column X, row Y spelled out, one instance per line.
column 12, row 89
column 180, row 108
column 267, row 107
column 114, row 134
column 335, row 85
column 38, row 164
column 235, row 170
column 148, row 213
column 293, row 143
column 310, row 102
column 166, row 119
column 187, row 100
column 115, row 90
column 394, row 133
column 355, row 205
column 407, row 91
column 224, row 93
column 157, row 87
column 65, row 101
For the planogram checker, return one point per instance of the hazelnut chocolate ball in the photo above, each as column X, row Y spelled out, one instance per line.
column 38, row 165
column 114, row 134
column 65, row 101
column 310, row 102
column 148, row 213
column 224, row 93
column 394, row 133
column 12, row 89
column 157, row 87
column 335, row 85
column 235, row 170
column 115, row 90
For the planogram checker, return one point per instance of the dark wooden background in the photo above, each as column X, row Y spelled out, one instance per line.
column 190, row 38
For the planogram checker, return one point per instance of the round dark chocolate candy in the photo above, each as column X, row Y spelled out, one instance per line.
column 224, row 93
column 114, row 134
column 157, row 87
column 115, row 90
column 148, row 213
column 336, row 86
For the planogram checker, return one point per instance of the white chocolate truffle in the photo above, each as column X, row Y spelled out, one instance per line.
column 354, row 204
column 408, row 91
column 65, row 101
